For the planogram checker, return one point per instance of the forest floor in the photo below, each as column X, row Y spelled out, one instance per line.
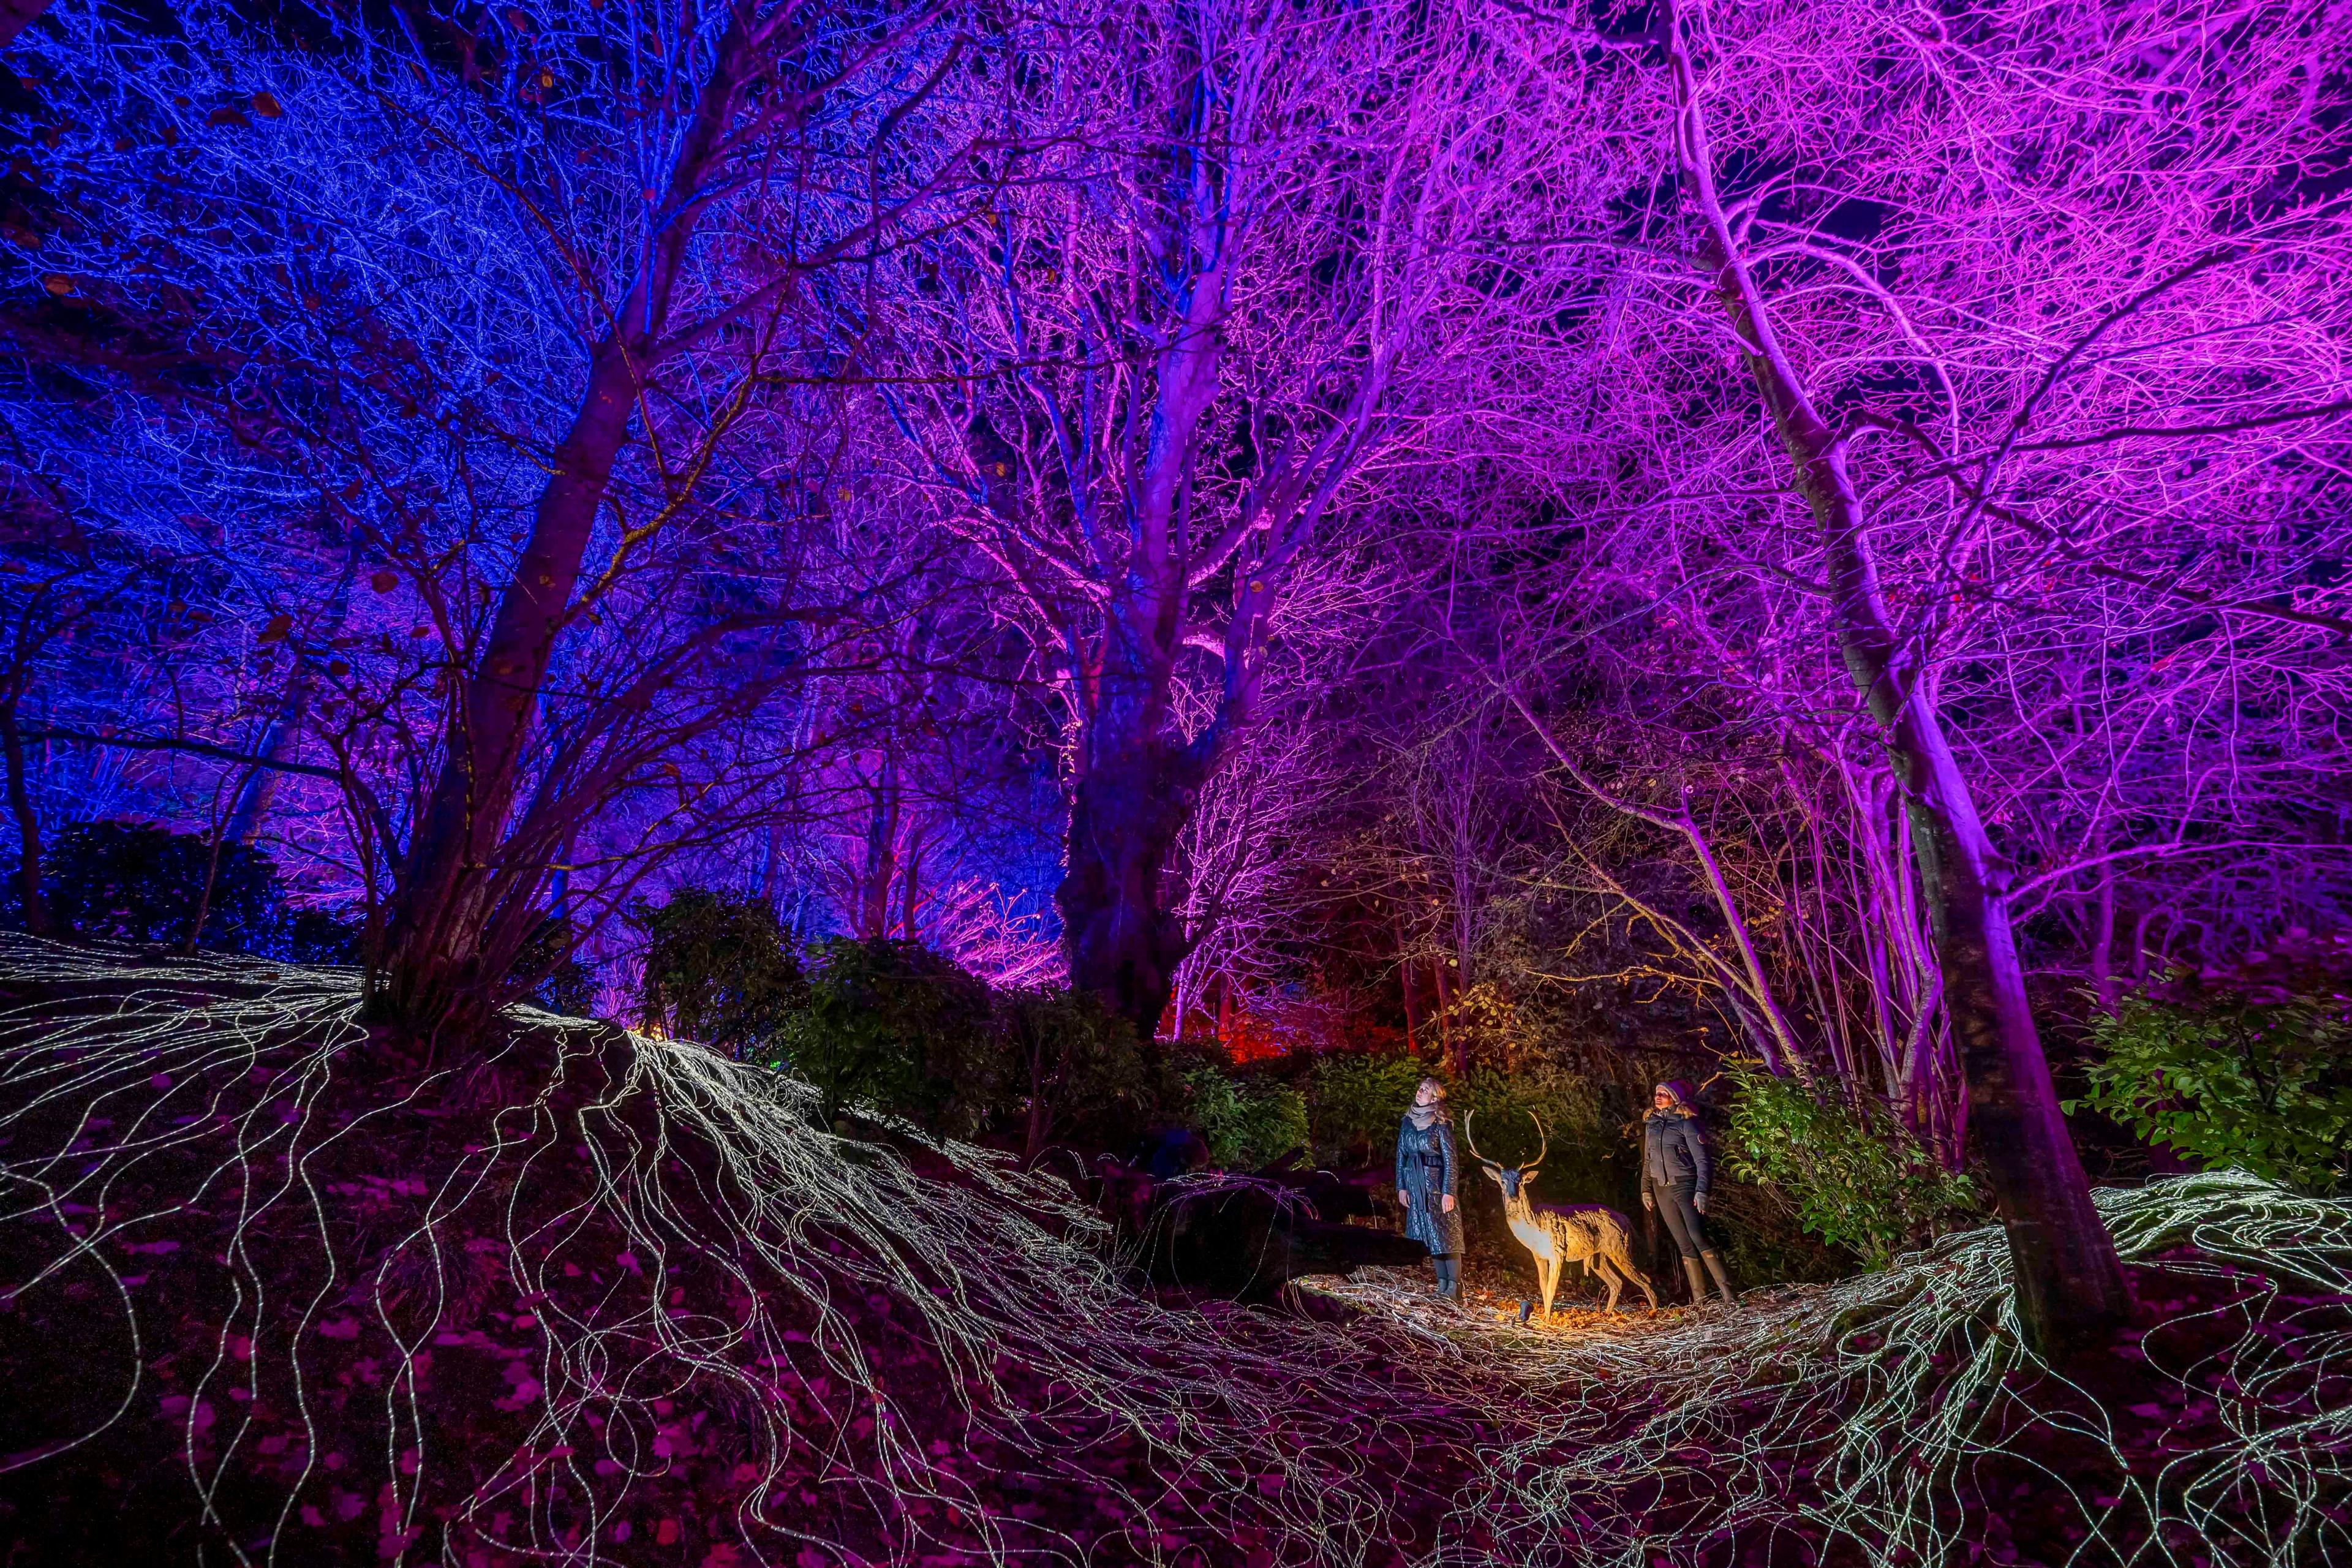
column 1896, row 1418
column 276, row 1287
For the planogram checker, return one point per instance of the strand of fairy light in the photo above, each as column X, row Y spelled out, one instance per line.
column 1888, row 1428
column 1207, row 1398
column 1043, row 1292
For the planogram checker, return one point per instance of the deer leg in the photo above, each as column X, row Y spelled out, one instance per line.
column 1608, row 1277
column 1625, row 1262
column 1550, row 1283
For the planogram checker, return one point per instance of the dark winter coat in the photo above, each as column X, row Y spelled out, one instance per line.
column 1673, row 1151
column 1426, row 1169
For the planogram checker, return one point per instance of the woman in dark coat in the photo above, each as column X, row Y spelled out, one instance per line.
column 1675, row 1175
column 1426, row 1169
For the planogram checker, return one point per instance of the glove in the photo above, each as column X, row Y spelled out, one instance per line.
column 1699, row 1203
column 1647, row 1200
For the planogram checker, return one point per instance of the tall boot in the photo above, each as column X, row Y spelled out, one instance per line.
column 1697, row 1282
column 1722, row 1280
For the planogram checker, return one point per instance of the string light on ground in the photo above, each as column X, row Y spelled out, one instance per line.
column 551, row 1278
column 706, row 1187
column 1852, row 1412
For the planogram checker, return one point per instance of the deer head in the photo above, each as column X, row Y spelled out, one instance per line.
column 1512, row 1179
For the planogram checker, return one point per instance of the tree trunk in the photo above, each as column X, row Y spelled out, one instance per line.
column 1124, row 944
column 910, row 900
column 2070, row 1288
column 2103, row 926
column 436, row 971
column 260, row 786
column 1033, row 1141
column 1445, row 1013
column 445, row 898
column 772, row 868
column 878, row 876
column 29, row 898
column 1412, row 1008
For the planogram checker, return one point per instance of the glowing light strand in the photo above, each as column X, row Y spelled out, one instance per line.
column 1893, row 1384
column 216, row 1083
column 236, row 1061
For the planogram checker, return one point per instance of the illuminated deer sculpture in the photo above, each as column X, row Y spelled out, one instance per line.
column 1559, row 1233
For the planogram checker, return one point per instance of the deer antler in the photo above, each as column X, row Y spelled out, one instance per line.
column 1529, row 1169
column 1472, row 1143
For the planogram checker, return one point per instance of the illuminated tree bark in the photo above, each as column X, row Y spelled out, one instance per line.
column 1168, row 366
column 445, row 897
column 468, row 891
column 2070, row 1287
column 1123, row 940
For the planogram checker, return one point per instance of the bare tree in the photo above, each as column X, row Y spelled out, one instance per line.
column 520, row 318
column 1158, row 378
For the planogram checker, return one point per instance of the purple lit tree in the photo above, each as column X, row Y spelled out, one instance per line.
column 2039, row 311
column 1152, row 392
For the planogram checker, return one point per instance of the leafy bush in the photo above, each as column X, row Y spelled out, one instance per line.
column 1857, row 1176
column 1073, row 1068
column 1246, row 1120
column 1762, row 1240
column 894, row 1027
column 719, row 968
column 2226, row 1079
column 1489, row 1027
column 121, row 881
column 1354, row 1103
column 1506, row 1103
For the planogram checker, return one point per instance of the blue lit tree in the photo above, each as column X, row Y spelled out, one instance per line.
column 491, row 366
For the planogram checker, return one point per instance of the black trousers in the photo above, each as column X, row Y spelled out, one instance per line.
column 1682, row 1219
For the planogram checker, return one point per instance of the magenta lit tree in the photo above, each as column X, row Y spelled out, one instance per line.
column 1954, row 284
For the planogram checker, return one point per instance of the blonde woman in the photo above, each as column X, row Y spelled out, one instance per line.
column 1426, row 1169
column 1676, row 1172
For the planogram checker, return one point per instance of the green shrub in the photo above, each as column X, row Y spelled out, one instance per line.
column 897, row 1028
column 1354, row 1103
column 1762, row 1240
column 1506, row 1104
column 1074, row 1069
column 1246, row 1121
column 1841, row 1155
column 718, row 969
column 2263, row 1086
